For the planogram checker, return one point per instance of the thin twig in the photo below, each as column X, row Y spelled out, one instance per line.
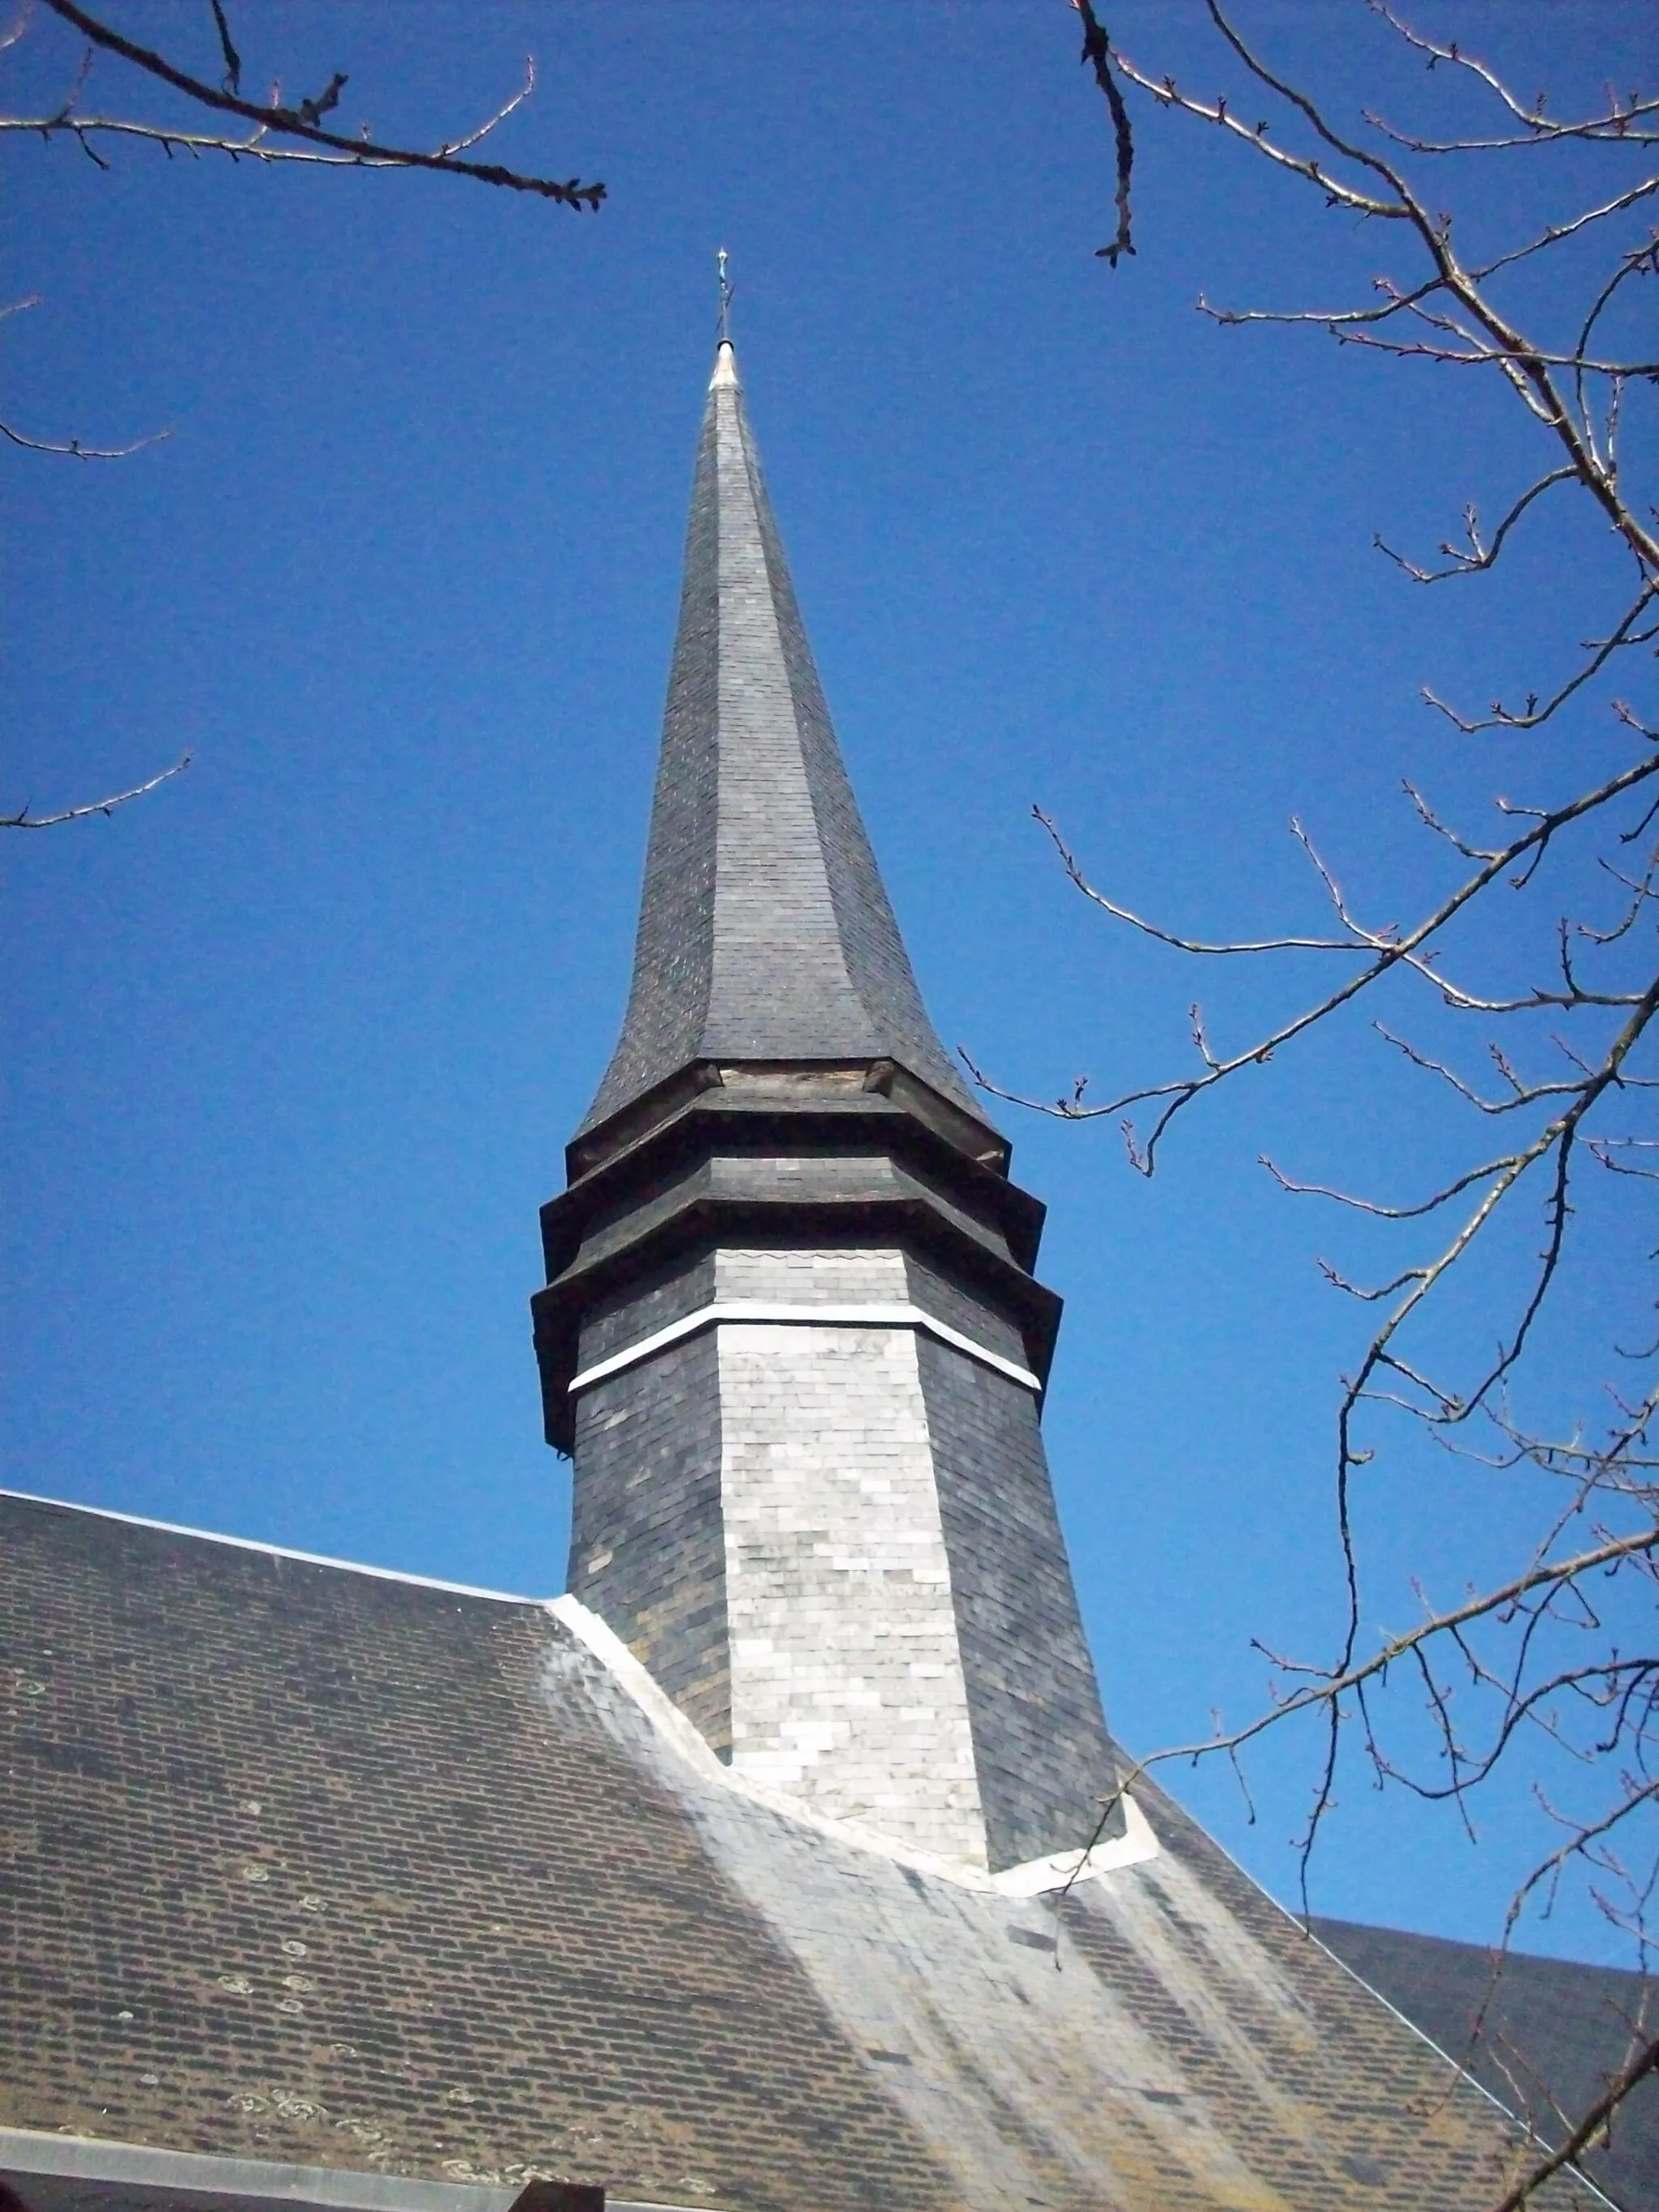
column 1584, row 2136
column 292, row 123
column 25, row 820
column 76, row 451
column 1098, row 53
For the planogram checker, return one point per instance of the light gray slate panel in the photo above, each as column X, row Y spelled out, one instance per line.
column 1040, row 1741
column 847, row 1680
column 808, row 1274
column 648, row 1546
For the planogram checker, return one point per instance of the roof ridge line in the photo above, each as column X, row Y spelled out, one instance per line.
column 276, row 1551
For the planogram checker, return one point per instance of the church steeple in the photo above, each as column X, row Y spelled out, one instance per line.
column 765, row 932
column 790, row 1333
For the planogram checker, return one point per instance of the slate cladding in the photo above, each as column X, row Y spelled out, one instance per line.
column 650, row 1530
column 765, row 932
column 314, row 1865
column 647, row 1540
column 760, row 1511
column 307, row 1863
column 1040, row 1743
column 1544, row 2035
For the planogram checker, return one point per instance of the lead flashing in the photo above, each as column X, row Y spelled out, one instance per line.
column 1034, row 1878
column 753, row 1310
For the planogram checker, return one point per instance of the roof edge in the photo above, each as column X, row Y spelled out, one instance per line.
column 1306, row 1928
column 274, row 1551
column 28, row 2155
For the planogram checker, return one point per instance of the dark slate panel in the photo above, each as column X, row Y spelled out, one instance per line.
column 1040, row 1743
column 311, row 1865
column 961, row 1308
column 781, row 989
column 1553, row 2034
column 674, row 950
column 321, row 1867
column 681, row 1286
column 1394, row 2132
column 876, row 958
column 647, row 1539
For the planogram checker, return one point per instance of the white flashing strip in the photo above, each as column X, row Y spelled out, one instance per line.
column 822, row 1316
column 1137, row 1844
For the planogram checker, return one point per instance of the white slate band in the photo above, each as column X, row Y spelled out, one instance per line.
column 814, row 1316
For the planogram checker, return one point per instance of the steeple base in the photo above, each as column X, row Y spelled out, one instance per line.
column 814, row 1503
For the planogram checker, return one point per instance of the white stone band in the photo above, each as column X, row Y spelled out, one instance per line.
column 820, row 1316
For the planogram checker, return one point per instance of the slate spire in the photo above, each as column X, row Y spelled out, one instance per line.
column 790, row 1334
column 765, row 932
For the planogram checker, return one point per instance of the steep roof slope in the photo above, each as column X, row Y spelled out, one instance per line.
column 1553, row 2033
column 313, row 1864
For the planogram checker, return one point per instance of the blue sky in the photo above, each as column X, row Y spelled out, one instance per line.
column 295, row 1043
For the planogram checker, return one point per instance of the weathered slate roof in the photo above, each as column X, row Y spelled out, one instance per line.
column 1552, row 2034
column 765, row 932
column 312, row 1865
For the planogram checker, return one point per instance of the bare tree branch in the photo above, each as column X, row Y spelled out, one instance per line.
column 1482, row 552
column 1553, row 1657
column 232, row 80
column 76, row 451
column 1540, row 129
column 1098, row 53
column 25, row 820
column 292, row 123
column 1390, row 950
column 1529, row 367
column 1584, row 2137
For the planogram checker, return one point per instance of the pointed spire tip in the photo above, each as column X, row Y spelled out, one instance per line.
column 726, row 360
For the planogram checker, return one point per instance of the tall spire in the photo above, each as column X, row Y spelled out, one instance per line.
column 790, row 1334
column 765, row 933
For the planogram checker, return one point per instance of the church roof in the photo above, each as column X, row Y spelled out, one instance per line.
column 318, row 1865
column 1551, row 2034
column 765, row 932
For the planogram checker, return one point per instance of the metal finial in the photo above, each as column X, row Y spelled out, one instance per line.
column 725, row 324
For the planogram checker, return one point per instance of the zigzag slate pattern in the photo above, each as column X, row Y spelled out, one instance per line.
column 765, row 932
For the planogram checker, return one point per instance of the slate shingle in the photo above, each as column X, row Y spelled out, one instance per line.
column 307, row 1863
